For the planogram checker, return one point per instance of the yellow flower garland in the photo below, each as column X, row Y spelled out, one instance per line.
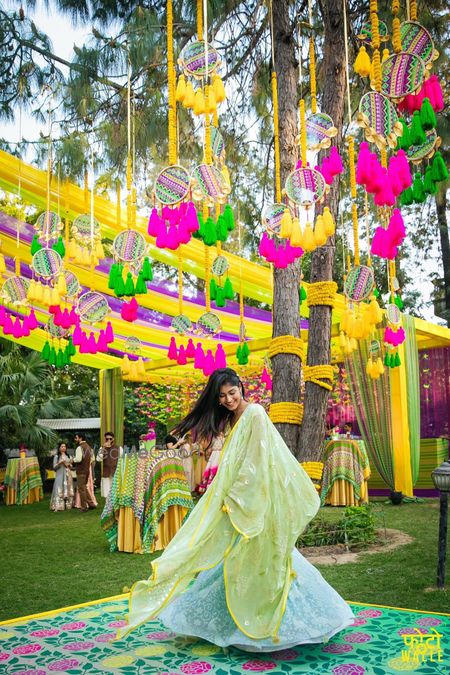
column 286, row 412
column 317, row 374
column 287, row 344
column 322, row 293
column 276, row 138
column 314, row 471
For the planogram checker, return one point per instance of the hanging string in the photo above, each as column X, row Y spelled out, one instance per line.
column 208, row 149
column 312, row 62
column 129, row 167
column 172, row 113
column 133, row 165
column 19, row 189
column 180, row 281
column 199, row 20
column 276, row 133
column 241, row 285
column 366, row 211
column 376, row 60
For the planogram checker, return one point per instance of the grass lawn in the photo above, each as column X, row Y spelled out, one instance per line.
column 52, row 560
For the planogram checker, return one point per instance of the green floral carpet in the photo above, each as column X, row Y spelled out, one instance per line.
column 77, row 641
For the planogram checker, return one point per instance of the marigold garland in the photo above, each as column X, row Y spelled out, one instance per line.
column 314, row 471
column 317, row 374
column 312, row 71
column 287, row 344
column 276, row 139
column 322, row 293
column 286, row 412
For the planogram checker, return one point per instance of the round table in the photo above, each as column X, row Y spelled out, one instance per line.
column 345, row 472
column 23, row 481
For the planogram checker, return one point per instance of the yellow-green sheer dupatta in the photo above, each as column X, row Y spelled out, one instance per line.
column 258, row 504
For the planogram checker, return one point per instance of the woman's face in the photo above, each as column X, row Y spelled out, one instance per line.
column 230, row 396
column 63, row 448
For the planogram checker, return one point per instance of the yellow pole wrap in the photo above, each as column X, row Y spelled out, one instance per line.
column 172, row 115
column 200, row 19
column 400, row 427
column 276, row 138
column 312, row 74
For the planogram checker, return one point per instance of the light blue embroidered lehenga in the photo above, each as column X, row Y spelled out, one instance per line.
column 232, row 574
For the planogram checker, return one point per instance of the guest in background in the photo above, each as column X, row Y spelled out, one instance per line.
column 185, row 453
column 348, row 430
column 83, row 459
column 109, row 454
column 62, row 493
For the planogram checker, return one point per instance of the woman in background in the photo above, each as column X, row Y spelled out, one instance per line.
column 62, row 493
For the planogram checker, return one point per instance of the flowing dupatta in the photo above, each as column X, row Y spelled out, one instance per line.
column 256, row 508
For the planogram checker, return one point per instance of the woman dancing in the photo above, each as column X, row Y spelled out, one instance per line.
column 232, row 574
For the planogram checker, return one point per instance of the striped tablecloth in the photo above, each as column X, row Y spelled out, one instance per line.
column 345, row 472
column 23, row 481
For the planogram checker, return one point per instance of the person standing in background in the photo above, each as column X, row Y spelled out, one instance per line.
column 83, row 459
column 62, row 493
column 109, row 454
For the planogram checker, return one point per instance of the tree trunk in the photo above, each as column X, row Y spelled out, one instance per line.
column 441, row 210
column 319, row 334
column 286, row 319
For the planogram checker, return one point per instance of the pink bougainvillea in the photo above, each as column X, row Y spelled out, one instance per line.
column 357, row 637
column 258, row 666
column 78, row 646
column 4, row 656
column 45, row 632
column 429, row 621
column 74, row 625
column 30, row 648
column 359, row 621
column 63, row 665
column 195, row 667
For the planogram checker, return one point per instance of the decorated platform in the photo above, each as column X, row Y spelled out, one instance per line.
column 77, row 640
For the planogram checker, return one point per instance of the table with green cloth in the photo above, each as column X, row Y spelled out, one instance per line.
column 148, row 502
column 23, row 481
column 345, row 472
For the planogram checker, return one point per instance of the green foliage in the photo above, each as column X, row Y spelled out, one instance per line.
column 355, row 528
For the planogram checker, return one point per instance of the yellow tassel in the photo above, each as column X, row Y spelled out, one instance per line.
column 344, row 320
column 199, row 102
column 219, row 89
column 54, row 296
column 61, row 285
column 348, row 346
column 320, row 236
column 385, row 55
column 133, row 371
column 353, row 344
column 380, row 366
column 99, row 250
column 359, row 328
column 369, row 369
column 71, row 249
column 125, row 365
column 226, row 175
column 85, row 257
column 296, row 237
column 38, row 292
column 2, row 263
column 308, row 243
column 31, row 293
column 342, row 339
column 362, row 63
column 181, row 89
column 350, row 327
column 140, row 367
column 212, row 102
column 286, row 224
column 46, row 296
column 330, row 227
column 375, row 312
column 189, row 96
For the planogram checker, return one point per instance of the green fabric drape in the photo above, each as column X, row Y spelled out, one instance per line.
column 111, row 403
column 413, row 390
column 372, row 404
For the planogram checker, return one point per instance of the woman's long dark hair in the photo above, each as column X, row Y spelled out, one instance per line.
column 207, row 418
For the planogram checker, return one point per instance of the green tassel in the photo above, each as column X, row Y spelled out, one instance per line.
column 407, row 198
column 60, row 359
column 229, row 217
column 397, row 361
column 386, row 360
column 71, row 347
column 210, row 236
column 399, row 302
column 129, row 286
column 228, row 289
column 416, row 132
column 220, row 297
column 212, row 289
column 302, row 294
column 245, row 349
column 113, row 272
column 147, row 271
column 52, row 356
column 417, row 188
column 59, row 247
column 200, row 233
column 221, row 228
column 67, row 359
column 45, row 353
column 376, row 293
column 119, row 286
column 439, row 171
column 428, row 183
column 427, row 115
column 404, row 141
column 35, row 245
column 239, row 353
column 392, row 361
column 141, row 288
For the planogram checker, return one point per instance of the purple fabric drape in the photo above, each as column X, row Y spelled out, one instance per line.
column 434, row 369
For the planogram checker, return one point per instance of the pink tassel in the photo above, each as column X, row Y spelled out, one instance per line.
column 84, row 347
column 184, row 234
column 91, row 344
column 396, row 228
column 53, row 309
column 220, row 358
column 25, row 327
column 17, row 328
column 325, row 170
column 263, row 245
column 335, row 162
column 57, row 317
column 208, row 365
column 109, row 334
column 199, row 356
column 161, row 237
column 65, row 319
column 190, row 349
column 378, row 241
column 281, row 260
column 172, row 354
column 394, row 178
column 2, row 315
column 77, row 335
column 192, row 218
column 403, row 170
column 7, row 325
column 172, row 238
column 74, row 318
column 363, row 164
column 154, row 223
column 436, row 97
column 102, row 345
column 32, row 321
column 181, row 360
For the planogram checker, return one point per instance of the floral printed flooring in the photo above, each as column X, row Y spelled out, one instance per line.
column 77, row 641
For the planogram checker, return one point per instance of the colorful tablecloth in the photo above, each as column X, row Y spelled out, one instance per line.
column 148, row 501
column 345, row 473
column 23, row 481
